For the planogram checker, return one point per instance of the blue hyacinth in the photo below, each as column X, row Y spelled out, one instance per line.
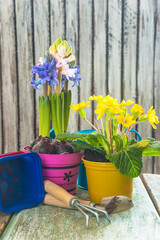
column 46, row 73
column 76, row 79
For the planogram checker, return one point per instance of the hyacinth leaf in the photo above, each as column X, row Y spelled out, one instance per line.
column 44, row 116
column 119, row 142
column 152, row 149
column 59, row 112
column 78, row 145
column 68, row 97
column 53, row 110
column 40, row 115
column 62, row 112
column 125, row 141
column 128, row 161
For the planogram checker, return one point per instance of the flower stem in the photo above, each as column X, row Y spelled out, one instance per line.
column 45, row 92
column 111, row 135
column 49, row 89
column 66, row 86
column 58, row 87
column 97, row 125
column 102, row 126
column 91, row 124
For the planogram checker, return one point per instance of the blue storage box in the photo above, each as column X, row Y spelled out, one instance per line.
column 21, row 182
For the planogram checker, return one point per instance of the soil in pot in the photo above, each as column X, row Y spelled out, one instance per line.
column 94, row 156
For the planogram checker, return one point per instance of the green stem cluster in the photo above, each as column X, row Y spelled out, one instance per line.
column 55, row 105
column 44, row 116
column 60, row 109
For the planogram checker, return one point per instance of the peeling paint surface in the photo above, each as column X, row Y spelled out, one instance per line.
column 49, row 223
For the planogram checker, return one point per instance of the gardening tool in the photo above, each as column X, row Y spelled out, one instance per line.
column 57, row 196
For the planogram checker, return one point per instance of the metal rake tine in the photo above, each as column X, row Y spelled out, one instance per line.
column 98, row 210
column 86, row 215
column 87, row 208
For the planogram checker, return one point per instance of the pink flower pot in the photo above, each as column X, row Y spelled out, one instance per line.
column 61, row 169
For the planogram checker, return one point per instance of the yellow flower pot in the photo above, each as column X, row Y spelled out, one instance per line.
column 105, row 180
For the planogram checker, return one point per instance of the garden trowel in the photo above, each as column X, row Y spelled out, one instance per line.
column 57, row 196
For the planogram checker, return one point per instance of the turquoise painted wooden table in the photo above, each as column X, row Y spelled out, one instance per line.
column 142, row 222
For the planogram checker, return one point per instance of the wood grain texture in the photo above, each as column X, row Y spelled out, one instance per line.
column 103, row 35
column 157, row 79
column 57, row 16
column 152, row 183
column 4, row 219
column 25, row 56
column 114, row 48
column 85, row 56
column 9, row 77
column 48, row 222
column 72, row 39
column 129, row 49
column 1, row 103
column 41, row 41
column 145, row 69
column 100, row 78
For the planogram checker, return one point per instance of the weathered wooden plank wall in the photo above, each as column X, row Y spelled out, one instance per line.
column 116, row 44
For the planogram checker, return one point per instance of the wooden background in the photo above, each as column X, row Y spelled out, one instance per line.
column 116, row 44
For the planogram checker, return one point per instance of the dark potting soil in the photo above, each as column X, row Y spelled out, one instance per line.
column 94, row 156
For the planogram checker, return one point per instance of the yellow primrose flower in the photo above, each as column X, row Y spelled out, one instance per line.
column 152, row 118
column 97, row 98
column 112, row 105
column 124, row 103
column 126, row 120
column 81, row 105
column 137, row 108
column 100, row 111
column 107, row 103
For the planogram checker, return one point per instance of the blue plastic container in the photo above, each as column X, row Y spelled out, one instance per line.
column 21, row 182
column 82, row 178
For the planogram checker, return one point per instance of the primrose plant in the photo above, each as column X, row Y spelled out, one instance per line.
column 110, row 137
column 54, row 70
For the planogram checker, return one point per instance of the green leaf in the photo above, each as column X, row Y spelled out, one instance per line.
column 44, row 116
column 143, row 143
column 125, row 141
column 59, row 112
column 152, row 149
column 99, row 140
column 119, row 142
column 128, row 161
column 62, row 110
column 67, row 99
column 132, row 141
column 68, row 136
column 78, row 145
column 53, row 110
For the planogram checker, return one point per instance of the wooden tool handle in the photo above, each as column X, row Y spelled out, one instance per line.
column 58, row 192
column 50, row 200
